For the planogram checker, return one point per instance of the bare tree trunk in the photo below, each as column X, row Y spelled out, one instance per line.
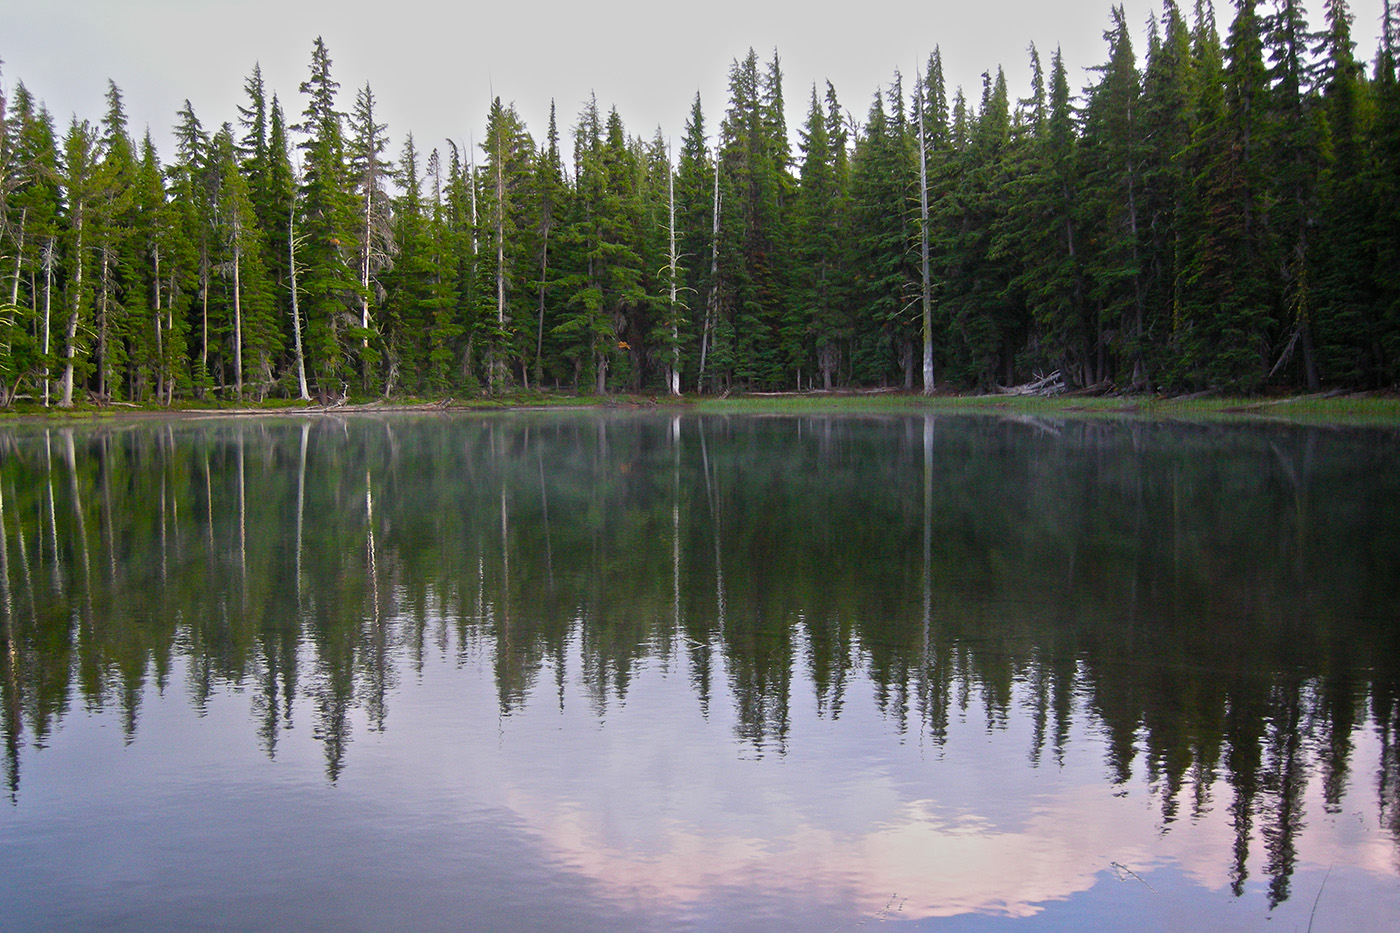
column 204, row 315
column 497, row 362
column 237, row 311
column 539, row 333
column 48, row 295
column 70, row 351
column 673, row 378
column 296, row 309
column 161, row 377
column 923, row 246
column 102, row 323
column 170, row 329
column 19, row 255
column 711, row 301
column 476, row 246
column 364, row 259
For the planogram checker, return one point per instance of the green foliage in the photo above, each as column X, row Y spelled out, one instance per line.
column 1221, row 216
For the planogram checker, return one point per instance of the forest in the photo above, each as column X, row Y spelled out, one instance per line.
column 1221, row 214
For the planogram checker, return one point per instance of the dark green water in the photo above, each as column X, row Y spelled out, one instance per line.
column 628, row 671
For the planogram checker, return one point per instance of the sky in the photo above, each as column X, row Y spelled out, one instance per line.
column 434, row 67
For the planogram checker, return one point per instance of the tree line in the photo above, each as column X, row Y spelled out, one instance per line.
column 1222, row 215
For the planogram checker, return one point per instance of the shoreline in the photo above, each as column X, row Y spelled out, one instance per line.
column 1373, row 407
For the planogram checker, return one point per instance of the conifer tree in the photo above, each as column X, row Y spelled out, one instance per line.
column 1114, row 158
column 1168, row 121
column 110, row 227
column 1348, row 325
column 818, row 281
column 193, row 188
column 884, row 219
column 410, row 307
column 506, row 175
column 79, row 175
column 33, row 208
column 327, row 283
column 551, row 194
column 695, row 185
column 1295, row 166
column 375, row 248
column 253, row 333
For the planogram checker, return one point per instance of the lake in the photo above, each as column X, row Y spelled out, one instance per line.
column 638, row 670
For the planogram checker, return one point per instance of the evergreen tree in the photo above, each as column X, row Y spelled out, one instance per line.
column 1113, row 160
column 883, row 192
column 505, row 234
column 1348, row 322
column 374, row 242
column 1169, row 122
column 252, row 329
column 80, row 188
column 411, row 307
column 818, row 282
column 1295, row 166
column 551, row 194
column 695, row 185
column 32, row 228
column 110, row 226
column 326, row 280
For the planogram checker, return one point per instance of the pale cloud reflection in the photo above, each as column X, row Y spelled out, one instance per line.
column 929, row 858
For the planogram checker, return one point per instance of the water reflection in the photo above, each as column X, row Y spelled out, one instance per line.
column 1212, row 611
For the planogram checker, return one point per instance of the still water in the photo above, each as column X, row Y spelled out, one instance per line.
column 602, row 671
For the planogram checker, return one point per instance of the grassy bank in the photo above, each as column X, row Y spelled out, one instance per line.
column 1371, row 408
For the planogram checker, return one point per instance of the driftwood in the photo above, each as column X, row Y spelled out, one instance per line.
column 1045, row 386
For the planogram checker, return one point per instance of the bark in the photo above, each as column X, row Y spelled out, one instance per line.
column 296, row 310
column 237, row 310
column 927, row 295
column 711, row 302
column 71, row 335
column 674, row 376
column 48, row 296
column 19, row 255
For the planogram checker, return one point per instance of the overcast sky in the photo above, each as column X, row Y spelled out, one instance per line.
column 434, row 66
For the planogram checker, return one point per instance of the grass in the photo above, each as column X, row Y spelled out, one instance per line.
column 1364, row 408
column 1369, row 408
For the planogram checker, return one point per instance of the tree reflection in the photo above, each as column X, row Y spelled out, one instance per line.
column 1221, row 603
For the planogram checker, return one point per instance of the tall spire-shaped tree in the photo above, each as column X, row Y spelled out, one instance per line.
column 326, row 280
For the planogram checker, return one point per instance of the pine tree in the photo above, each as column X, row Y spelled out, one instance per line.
column 883, row 192
column 1113, row 166
column 252, row 332
column 507, row 171
column 374, row 242
column 695, row 185
column 33, row 209
column 1348, row 324
column 551, row 195
column 79, row 176
column 166, row 258
column 755, row 184
column 819, row 234
column 1169, row 122
column 1383, row 193
column 110, row 223
column 1295, row 166
column 410, row 307
column 193, row 189
column 1045, row 228
column 327, row 281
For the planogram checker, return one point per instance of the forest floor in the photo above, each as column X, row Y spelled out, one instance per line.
column 1352, row 407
